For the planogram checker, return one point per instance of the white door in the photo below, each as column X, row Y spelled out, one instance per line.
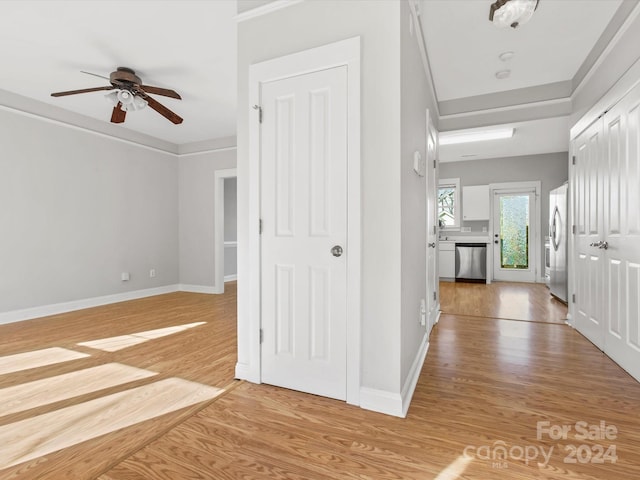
column 622, row 232
column 432, row 235
column 304, row 237
column 588, row 259
column 514, row 235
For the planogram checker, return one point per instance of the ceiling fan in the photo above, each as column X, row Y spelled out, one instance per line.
column 128, row 93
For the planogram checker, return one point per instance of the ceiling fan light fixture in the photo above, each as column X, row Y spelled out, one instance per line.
column 512, row 13
column 128, row 101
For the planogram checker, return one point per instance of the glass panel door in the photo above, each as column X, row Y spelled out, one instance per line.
column 513, row 258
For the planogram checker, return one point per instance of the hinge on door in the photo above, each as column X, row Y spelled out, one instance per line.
column 573, row 160
column 434, row 163
column 260, row 226
column 573, row 298
column 573, row 229
column 259, row 108
column 261, row 335
column 434, row 295
column 434, row 229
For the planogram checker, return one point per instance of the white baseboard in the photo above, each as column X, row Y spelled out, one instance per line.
column 231, row 278
column 396, row 404
column 58, row 308
column 244, row 372
column 198, row 288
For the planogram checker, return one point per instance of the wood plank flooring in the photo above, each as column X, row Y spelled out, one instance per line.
column 486, row 384
column 509, row 300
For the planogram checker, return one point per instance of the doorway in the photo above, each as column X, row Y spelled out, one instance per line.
column 223, row 221
column 515, row 221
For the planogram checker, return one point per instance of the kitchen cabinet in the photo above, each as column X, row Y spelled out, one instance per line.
column 475, row 203
column 447, row 259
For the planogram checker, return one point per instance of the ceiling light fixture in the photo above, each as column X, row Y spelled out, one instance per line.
column 467, row 136
column 506, row 56
column 512, row 13
column 502, row 74
column 127, row 100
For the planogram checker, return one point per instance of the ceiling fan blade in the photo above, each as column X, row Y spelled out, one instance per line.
column 117, row 116
column 162, row 110
column 95, row 74
column 84, row 90
column 161, row 91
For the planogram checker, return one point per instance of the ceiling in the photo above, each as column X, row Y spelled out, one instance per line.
column 190, row 46
column 551, row 55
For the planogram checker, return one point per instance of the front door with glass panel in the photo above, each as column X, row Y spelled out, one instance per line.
column 514, row 212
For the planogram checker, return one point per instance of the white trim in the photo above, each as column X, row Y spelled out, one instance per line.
column 185, row 287
column 264, row 9
column 209, row 150
column 396, row 404
column 537, row 252
column 419, row 34
column 65, row 307
column 508, row 108
column 230, row 243
column 414, row 374
column 345, row 52
column 230, row 278
column 219, row 243
column 607, row 51
column 457, row 203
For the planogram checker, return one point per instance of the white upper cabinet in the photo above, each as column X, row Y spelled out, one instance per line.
column 475, row 203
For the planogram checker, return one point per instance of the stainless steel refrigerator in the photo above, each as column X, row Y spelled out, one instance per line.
column 558, row 235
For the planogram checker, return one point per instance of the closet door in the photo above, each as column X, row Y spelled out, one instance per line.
column 622, row 232
column 588, row 218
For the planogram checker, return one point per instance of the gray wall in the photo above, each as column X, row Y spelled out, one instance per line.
column 550, row 169
column 311, row 24
column 197, row 212
column 77, row 209
column 415, row 99
column 230, row 226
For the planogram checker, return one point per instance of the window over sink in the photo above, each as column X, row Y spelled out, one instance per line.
column 449, row 203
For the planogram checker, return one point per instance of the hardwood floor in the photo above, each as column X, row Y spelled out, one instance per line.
column 486, row 384
column 508, row 300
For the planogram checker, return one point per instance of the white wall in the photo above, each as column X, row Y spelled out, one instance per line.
column 196, row 213
column 77, row 209
column 310, row 24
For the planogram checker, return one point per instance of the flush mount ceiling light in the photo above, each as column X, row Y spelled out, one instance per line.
column 512, row 13
column 466, row 136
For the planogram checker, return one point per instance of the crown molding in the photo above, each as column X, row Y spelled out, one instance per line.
column 265, row 9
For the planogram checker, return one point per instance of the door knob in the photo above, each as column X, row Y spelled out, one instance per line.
column 496, row 241
column 336, row 251
column 604, row 245
column 432, row 245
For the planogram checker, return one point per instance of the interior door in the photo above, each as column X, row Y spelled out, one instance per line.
column 589, row 212
column 622, row 232
column 433, row 291
column 304, row 237
column 514, row 258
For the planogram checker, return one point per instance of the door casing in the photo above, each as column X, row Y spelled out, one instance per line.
column 345, row 52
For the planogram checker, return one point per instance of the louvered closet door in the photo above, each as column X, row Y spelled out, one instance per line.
column 622, row 232
column 304, row 215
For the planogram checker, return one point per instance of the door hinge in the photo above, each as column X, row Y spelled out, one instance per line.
column 260, row 226
column 434, row 295
column 434, row 163
column 434, row 229
column 259, row 108
column 573, row 229
column 261, row 335
column 573, row 298
column 573, row 160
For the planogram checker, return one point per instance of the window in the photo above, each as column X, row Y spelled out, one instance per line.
column 449, row 203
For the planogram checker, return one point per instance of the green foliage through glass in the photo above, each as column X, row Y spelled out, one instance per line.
column 514, row 231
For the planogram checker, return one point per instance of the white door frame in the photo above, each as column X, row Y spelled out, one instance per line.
column 538, row 244
column 218, row 254
column 345, row 52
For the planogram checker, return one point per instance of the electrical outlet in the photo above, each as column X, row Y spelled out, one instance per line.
column 125, row 276
column 152, row 273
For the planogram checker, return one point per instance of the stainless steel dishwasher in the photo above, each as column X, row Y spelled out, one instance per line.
column 471, row 262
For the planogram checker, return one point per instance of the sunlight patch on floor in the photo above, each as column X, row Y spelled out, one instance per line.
column 455, row 468
column 34, row 394
column 37, row 436
column 37, row 358
column 113, row 344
